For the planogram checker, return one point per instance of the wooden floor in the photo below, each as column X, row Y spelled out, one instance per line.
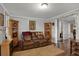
column 67, row 47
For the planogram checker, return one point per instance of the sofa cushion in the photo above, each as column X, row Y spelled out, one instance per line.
column 26, row 35
column 33, row 35
column 40, row 35
column 28, row 42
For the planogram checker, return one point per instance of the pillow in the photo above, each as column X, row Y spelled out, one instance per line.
column 26, row 33
column 27, row 37
column 36, row 33
column 33, row 34
column 34, row 37
column 40, row 36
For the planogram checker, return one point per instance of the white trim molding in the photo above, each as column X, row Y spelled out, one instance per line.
column 67, row 14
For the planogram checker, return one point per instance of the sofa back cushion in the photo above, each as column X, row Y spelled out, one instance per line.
column 26, row 35
column 34, row 36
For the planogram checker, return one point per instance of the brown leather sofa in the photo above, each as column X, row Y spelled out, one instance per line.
column 34, row 39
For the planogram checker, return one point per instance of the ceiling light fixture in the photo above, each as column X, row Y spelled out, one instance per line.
column 44, row 5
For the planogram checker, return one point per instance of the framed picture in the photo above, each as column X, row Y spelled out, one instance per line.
column 32, row 25
column 1, row 19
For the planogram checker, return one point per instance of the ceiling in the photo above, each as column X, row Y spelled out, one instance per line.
column 33, row 10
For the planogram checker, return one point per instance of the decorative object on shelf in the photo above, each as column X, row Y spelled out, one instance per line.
column 32, row 25
column 1, row 19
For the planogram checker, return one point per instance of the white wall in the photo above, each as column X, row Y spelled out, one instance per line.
column 6, row 25
column 2, row 32
column 1, row 9
column 65, row 30
column 77, row 27
column 54, row 29
column 60, row 25
column 69, row 31
column 24, row 24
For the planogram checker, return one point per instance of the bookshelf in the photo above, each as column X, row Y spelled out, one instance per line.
column 48, row 30
column 13, row 31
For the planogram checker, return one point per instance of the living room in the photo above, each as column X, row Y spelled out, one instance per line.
column 24, row 31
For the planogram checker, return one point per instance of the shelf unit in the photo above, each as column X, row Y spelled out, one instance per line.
column 13, row 31
column 48, row 30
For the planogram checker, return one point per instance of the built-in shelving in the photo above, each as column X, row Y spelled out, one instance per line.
column 13, row 31
column 48, row 30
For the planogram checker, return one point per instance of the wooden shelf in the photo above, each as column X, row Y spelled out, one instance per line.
column 48, row 30
column 13, row 31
